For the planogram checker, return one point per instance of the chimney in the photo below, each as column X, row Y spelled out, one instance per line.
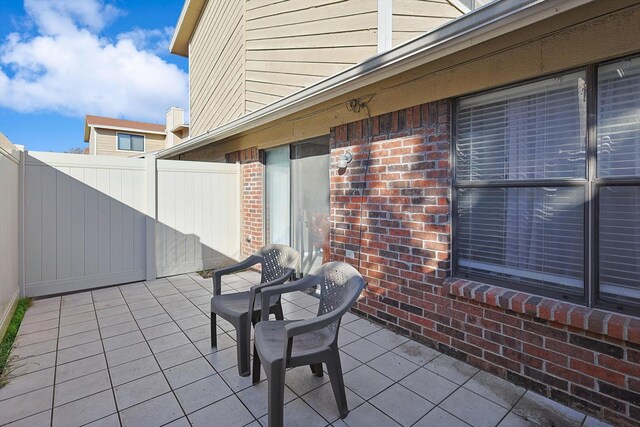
column 175, row 117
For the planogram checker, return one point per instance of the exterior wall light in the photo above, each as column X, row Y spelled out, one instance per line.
column 344, row 159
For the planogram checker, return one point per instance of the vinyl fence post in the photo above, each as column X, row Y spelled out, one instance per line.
column 151, row 215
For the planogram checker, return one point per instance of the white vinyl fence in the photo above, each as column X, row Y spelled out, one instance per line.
column 198, row 218
column 10, row 158
column 93, row 221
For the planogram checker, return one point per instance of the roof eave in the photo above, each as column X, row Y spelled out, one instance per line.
column 189, row 17
column 489, row 22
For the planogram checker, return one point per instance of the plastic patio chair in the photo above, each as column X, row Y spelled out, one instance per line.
column 282, row 344
column 278, row 263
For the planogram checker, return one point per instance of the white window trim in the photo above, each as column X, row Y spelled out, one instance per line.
column 144, row 142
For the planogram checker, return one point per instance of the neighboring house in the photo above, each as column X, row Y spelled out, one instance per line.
column 492, row 200
column 126, row 138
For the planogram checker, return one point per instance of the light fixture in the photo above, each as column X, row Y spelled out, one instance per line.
column 344, row 159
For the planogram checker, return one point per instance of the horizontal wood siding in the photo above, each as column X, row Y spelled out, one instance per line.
column 107, row 143
column 294, row 44
column 216, row 61
column 412, row 18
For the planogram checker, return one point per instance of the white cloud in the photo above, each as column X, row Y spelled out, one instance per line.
column 156, row 40
column 70, row 69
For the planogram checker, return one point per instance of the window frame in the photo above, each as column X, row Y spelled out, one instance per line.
column 144, row 142
column 591, row 183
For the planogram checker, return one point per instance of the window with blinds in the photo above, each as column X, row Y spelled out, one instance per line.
column 528, row 189
column 618, row 170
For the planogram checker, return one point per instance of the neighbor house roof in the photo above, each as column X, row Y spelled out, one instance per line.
column 119, row 124
column 487, row 23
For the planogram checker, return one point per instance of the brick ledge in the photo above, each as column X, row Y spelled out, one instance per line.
column 619, row 326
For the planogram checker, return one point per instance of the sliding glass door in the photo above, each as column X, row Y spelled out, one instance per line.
column 297, row 212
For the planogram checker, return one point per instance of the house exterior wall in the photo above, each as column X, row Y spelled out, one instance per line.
column 586, row 358
column 216, row 66
column 106, row 143
column 411, row 18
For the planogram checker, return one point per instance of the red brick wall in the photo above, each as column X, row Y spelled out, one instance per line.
column 252, row 199
column 586, row 358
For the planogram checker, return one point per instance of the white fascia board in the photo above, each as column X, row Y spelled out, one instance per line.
column 123, row 129
column 489, row 22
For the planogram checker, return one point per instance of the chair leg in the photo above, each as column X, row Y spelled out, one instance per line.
column 337, row 383
column 278, row 311
column 242, row 348
column 317, row 369
column 275, row 378
column 214, row 332
column 256, row 366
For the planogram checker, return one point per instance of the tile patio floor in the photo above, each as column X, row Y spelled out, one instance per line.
column 139, row 355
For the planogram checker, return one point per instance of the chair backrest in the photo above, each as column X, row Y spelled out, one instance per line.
column 340, row 286
column 276, row 259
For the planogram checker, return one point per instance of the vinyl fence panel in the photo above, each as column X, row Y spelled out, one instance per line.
column 198, row 221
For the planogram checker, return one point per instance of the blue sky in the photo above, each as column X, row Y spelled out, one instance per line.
column 62, row 59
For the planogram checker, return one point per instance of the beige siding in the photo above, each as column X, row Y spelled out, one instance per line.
column 107, row 143
column 412, row 18
column 216, row 60
column 293, row 44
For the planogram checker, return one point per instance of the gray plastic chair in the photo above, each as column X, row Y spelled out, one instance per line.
column 278, row 263
column 282, row 344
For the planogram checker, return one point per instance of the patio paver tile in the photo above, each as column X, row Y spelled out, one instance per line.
column 193, row 321
column 323, row 401
column 78, row 339
column 393, row 366
column 440, row 417
column 301, row 381
column 77, row 309
column 127, row 354
column 78, row 318
column 43, row 419
column 115, row 320
column 387, row 339
column 81, row 387
column 133, row 370
column 110, row 421
column 495, row 389
column 541, row 410
column 168, row 342
column 362, row 327
column 161, row 330
column 140, row 390
column 417, row 353
column 111, row 303
column 77, row 328
column 141, row 296
column 429, row 385
column 33, row 363
column 25, row 405
column 155, row 412
column 148, row 312
column 367, row 415
column 255, row 398
column 199, row 333
column 188, row 372
column 146, row 303
column 81, row 367
column 170, row 298
column 106, row 294
column 112, row 311
column 34, row 318
column 79, row 352
column 27, row 383
column 180, row 422
column 36, row 337
column 202, row 393
column 228, row 412
column 363, row 350
column 185, row 312
column 74, row 300
column 119, row 329
column 154, row 320
column 122, row 340
column 513, row 420
column 177, row 355
column 404, row 406
column 298, row 413
column 474, row 409
column 223, row 359
column 38, row 326
column 346, row 337
column 348, row 363
column 452, row 369
column 366, row 382
column 235, row 381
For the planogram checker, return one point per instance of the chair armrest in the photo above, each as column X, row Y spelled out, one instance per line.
column 256, row 289
column 298, row 285
column 242, row 265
